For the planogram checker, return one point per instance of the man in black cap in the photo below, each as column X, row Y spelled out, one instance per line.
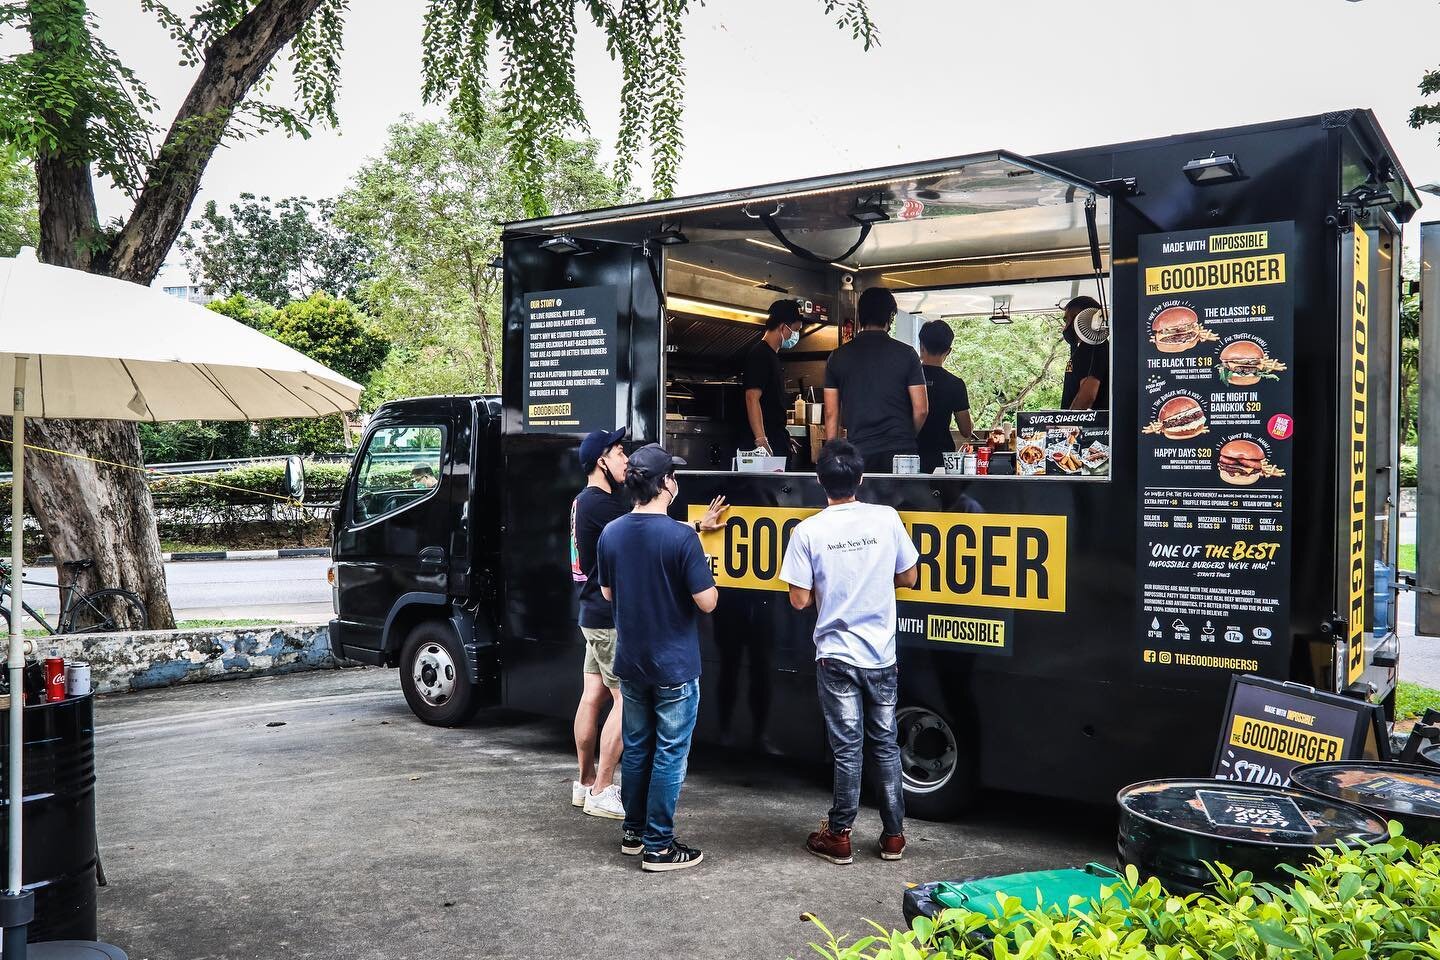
column 602, row 500
column 654, row 571
column 764, row 381
column 1087, row 375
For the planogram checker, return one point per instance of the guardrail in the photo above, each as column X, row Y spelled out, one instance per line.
column 215, row 466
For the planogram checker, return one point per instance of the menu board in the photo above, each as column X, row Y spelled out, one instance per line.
column 1214, row 454
column 1270, row 728
column 1064, row 443
column 569, row 360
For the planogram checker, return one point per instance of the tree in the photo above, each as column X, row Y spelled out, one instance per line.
column 72, row 106
column 275, row 252
column 430, row 207
column 1009, row 367
column 19, row 209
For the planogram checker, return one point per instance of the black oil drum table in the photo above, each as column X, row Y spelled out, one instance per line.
column 60, row 852
column 1408, row 793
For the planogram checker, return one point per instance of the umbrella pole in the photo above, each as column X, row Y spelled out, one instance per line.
column 17, row 906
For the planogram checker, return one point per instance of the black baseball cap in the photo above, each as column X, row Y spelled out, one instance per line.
column 596, row 442
column 653, row 460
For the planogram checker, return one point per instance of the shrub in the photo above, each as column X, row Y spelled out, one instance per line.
column 1409, row 466
column 1346, row 904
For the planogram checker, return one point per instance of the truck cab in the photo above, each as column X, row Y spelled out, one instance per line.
column 415, row 544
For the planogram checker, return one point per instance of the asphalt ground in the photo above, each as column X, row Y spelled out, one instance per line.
column 313, row 816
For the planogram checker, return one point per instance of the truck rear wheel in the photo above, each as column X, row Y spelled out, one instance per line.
column 936, row 770
column 434, row 678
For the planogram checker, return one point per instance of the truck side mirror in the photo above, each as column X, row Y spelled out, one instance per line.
column 295, row 479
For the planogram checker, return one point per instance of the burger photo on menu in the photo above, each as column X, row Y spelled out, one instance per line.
column 1176, row 329
column 1242, row 462
column 1179, row 418
column 1244, row 363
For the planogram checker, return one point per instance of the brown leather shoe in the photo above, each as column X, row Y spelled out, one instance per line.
column 830, row 845
column 892, row 848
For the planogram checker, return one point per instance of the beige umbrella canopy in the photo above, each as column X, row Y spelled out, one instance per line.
column 77, row 345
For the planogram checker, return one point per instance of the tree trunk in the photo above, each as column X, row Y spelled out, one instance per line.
column 90, row 511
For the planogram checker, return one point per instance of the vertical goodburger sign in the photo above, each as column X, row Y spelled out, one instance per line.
column 1359, row 336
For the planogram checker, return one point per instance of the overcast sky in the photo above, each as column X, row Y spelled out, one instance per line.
column 776, row 92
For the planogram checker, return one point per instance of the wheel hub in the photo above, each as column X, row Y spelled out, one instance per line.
column 434, row 674
column 928, row 752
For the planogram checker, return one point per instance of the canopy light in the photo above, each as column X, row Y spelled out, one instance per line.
column 717, row 311
column 1000, row 313
column 669, row 237
column 562, row 244
column 869, row 211
column 1210, row 170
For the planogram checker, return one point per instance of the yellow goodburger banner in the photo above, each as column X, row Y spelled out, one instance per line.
column 1003, row 561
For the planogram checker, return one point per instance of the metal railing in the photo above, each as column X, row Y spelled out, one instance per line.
column 215, row 466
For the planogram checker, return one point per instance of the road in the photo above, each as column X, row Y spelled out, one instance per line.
column 283, row 590
column 314, row 816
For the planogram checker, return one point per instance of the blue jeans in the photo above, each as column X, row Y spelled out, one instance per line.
column 859, row 709
column 657, row 723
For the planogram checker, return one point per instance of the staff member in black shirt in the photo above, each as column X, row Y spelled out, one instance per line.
column 1087, row 375
column 949, row 399
column 764, row 382
column 874, row 387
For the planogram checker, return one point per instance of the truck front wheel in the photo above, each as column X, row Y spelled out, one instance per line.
column 433, row 676
column 936, row 770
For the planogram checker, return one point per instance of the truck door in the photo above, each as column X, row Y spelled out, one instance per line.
column 393, row 532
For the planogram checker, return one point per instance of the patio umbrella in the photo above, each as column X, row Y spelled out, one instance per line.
column 82, row 346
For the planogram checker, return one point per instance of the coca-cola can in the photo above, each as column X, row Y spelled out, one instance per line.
column 54, row 679
column 77, row 678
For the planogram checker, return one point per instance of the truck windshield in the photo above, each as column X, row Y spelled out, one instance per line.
column 401, row 466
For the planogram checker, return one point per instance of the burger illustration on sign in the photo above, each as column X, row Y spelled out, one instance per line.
column 1244, row 362
column 1242, row 462
column 1177, row 329
column 1179, row 418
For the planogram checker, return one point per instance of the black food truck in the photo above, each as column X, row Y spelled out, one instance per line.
column 1225, row 507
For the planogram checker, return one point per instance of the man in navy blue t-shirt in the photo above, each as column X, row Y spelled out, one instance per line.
column 654, row 572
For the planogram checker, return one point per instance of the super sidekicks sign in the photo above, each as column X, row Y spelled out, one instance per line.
column 1214, row 452
column 975, row 569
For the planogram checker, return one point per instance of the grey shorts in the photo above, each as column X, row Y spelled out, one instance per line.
column 600, row 654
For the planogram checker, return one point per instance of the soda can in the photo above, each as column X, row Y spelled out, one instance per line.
column 77, row 677
column 54, row 679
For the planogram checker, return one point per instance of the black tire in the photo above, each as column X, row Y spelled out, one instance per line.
column 937, row 769
column 432, row 673
column 5, row 615
column 106, row 611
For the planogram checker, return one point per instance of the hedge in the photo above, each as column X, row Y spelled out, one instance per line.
column 1346, row 904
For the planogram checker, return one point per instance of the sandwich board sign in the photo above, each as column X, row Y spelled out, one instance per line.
column 1271, row 727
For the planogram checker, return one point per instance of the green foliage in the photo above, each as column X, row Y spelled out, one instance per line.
column 1376, row 901
column 1409, row 466
column 1009, row 367
column 430, row 208
column 1412, row 699
column 255, row 314
column 187, row 440
column 538, row 104
column 332, row 332
column 274, row 251
column 19, row 206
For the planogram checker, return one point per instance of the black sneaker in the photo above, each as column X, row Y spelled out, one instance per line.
column 630, row 844
column 676, row 857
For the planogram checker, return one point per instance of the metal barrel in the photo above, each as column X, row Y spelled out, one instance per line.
column 1171, row 828
column 1405, row 792
column 60, row 849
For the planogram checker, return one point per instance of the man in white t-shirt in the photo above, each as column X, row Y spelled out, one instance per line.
column 847, row 560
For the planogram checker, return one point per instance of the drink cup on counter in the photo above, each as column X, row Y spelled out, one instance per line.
column 971, row 465
column 906, row 463
column 54, row 679
column 954, row 462
column 982, row 461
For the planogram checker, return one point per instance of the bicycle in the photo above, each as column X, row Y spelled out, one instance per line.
column 106, row 610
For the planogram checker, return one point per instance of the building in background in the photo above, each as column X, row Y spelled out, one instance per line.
column 174, row 279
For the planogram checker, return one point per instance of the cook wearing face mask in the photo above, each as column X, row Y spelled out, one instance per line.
column 764, row 381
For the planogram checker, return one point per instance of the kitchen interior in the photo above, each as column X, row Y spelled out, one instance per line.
column 929, row 234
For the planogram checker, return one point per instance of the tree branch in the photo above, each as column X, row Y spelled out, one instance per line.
column 233, row 64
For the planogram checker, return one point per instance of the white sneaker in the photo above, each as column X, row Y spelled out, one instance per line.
column 577, row 793
column 606, row 803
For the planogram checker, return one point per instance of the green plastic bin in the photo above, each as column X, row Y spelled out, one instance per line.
column 1050, row 887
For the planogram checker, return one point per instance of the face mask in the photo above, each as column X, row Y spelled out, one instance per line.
column 790, row 341
column 674, row 489
column 609, row 478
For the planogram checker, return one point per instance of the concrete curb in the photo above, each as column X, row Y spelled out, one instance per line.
column 283, row 553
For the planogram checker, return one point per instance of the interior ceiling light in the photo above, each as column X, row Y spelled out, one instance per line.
column 869, row 211
column 718, row 311
column 1205, row 171
column 669, row 237
column 562, row 244
column 779, row 249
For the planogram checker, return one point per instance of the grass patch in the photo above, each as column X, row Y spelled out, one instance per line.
column 242, row 622
column 1411, row 699
column 1406, row 556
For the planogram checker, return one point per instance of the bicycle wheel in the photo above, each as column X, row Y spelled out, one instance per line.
column 106, row 611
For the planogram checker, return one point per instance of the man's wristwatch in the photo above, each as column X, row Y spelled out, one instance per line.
column 696, row 525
